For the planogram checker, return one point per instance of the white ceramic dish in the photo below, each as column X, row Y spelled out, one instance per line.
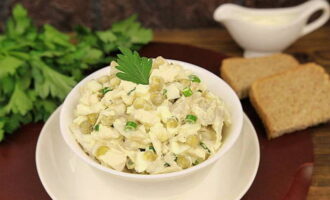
column 214, row 84
column 266, row 31
column 67, row 177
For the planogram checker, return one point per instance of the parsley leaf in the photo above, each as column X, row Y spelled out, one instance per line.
column 43, row 109
column 19, row 102
column 92, row 56
column 133, row 68
column 106, row 36
column 105, row 90
column 204, row 147
column 133, row 29
column 54, row 83
column 130, row 92
column 97, row 127
column 8, row 85
column 52, row 37
column 9, row 65
column 2, row 131
column 152, row 148
column 19, row 23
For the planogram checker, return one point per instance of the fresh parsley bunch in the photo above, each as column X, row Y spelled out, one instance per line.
column 39, row 66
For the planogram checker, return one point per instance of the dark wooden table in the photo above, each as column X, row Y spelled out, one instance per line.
column 313, row 47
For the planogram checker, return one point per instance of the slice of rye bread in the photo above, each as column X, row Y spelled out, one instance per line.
column 240, row 73
column 292, row 100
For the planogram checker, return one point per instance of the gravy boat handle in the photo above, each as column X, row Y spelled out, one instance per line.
column 310, row 8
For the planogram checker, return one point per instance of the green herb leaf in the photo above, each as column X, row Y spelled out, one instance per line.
column 191, row 119
column 19, row 23
column 54, row 84
column 9, row 65
column 12, row 122
column 19, row 102
column 133, row 67
column 97, row 127
column 130, row 126
column 204, row 147
column 92, row 56
column 43, row 109
column 84, row 34
column 103, row 91
column 131, row 28
column 106, row 36
column 130, row 92
column 152, row 149
column 2, row 131
column 8, row 85
column 52, row 37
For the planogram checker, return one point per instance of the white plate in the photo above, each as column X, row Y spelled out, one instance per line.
column 66, row 177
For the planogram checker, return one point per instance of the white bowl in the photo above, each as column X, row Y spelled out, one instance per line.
column 214, row 84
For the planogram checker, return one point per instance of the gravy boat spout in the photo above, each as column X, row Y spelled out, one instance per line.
column 225, row 13
column 266, row 31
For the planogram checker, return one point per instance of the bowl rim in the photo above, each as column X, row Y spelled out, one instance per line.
column 82, row 155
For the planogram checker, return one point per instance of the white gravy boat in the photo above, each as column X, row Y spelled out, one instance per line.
column 266, row 31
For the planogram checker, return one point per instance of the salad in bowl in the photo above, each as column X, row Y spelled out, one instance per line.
column 149, row 117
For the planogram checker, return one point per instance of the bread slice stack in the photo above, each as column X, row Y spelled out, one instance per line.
column 240, row 73
column 287, row 100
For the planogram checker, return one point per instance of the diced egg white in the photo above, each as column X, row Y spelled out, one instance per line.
column 114, row 158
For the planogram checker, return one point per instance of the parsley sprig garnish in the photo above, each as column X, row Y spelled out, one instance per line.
column 133, row 67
